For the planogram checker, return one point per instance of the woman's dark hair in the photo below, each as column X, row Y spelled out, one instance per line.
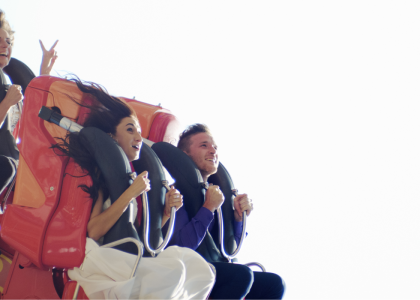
column 106, row 113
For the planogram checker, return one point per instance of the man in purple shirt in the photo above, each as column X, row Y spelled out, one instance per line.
column 233, row 281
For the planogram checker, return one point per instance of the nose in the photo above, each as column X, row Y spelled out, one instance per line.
column 213, row 149
column 4, row 44
column 138, row 137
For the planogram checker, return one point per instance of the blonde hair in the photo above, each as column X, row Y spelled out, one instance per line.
column 4, row 24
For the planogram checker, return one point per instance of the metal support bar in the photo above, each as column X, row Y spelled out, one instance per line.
column 255, row 264
column 221, row 235
column 146, row 225
column 4, row 201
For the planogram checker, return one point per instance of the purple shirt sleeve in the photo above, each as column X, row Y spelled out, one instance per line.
column 237, row 227
column 190, row 233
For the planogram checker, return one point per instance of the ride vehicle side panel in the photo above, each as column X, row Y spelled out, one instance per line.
column 24, row 227
column 65, row 239
column 28, row 282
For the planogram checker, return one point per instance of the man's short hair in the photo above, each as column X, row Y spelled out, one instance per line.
column 184, row 138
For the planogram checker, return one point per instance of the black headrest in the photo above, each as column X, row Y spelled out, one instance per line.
column 184, row 171
column 19, row 73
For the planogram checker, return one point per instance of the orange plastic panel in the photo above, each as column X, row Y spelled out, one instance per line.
column 27, row 191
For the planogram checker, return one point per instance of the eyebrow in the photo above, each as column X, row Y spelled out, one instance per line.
column 132, row 125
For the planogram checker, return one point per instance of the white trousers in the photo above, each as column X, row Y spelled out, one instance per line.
column 177, row 273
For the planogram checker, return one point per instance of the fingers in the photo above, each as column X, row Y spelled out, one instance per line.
column 17, row 86
column 14, row 94
column 42, row 46
column 53, row 61
column 245, row 204
column 173, row 199
column 141, row 183
column 53, row 46
column 144, row 174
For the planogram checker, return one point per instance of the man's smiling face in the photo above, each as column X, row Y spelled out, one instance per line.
column 203, row 151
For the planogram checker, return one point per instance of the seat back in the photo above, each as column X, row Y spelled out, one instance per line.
column 40, row 173
column 65, row 239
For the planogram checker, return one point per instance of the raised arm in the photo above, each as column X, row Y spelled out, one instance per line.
column 100, row 222
column 48, row 58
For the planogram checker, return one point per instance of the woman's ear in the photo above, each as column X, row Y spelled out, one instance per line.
column 113, row 137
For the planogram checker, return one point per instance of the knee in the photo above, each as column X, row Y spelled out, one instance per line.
column 244, row 274
column 278, row 285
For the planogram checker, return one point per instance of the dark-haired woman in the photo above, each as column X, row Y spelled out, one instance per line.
column 11, row 103
column 177, row 273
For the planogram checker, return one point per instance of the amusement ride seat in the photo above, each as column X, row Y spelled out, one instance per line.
column 46, row 223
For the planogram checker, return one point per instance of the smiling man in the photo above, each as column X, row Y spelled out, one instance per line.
column 233, row 281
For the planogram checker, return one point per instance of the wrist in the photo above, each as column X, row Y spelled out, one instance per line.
column 166, row 214
column 6, row 103
column 237, row 218
column 211, row 208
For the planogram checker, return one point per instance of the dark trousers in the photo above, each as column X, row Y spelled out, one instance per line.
column 235, row 281
column 7, row 172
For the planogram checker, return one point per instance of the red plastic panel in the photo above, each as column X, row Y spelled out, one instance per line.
column 165, row 128
column 28, row 282
column 5, row 264
column 23, row 228
column 65, row 240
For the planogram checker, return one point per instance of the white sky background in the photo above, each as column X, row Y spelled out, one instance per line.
column 314, row 105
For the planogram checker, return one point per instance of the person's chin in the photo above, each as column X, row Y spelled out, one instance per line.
column 3, row 64
column 213, row 171
column 133, row 157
